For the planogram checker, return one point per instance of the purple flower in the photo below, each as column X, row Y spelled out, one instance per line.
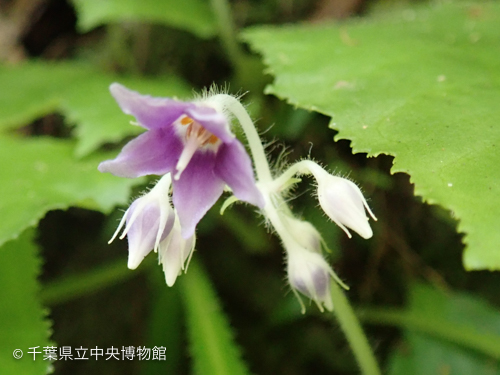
column 191, row 140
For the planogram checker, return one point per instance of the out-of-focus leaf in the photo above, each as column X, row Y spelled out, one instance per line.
column 421, row 84
column 422, row 355
column 79, row 92
column 194, row 16
column 41, row 174
column 22, row 317
column 76, row 285
column 165, row 326
column 426, row 354
column 211, row 341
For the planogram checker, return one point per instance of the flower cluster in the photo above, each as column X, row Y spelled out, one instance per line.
column 192, row 147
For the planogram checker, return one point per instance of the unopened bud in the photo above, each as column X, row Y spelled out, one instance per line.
column 344, row 203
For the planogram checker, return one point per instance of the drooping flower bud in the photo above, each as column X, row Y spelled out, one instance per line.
column 304, row 233
column 309, row 273
column 344, row 203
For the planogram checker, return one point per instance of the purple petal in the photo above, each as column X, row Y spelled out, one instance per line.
column 196, row 191
column 215, row 122
column 150, row 112
column 153, row 152
column 234, row 167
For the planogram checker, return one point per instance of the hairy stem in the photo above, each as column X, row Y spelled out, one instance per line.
column 256, row 148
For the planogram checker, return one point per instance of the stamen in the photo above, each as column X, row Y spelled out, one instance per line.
column 186, row 120
column 196, row 136
column 212, row 140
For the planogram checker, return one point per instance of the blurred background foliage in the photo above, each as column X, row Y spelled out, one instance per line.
column 423, row 313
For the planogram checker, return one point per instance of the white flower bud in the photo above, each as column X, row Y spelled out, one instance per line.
column 304, row 233
column 309, row 273
column 344, row 203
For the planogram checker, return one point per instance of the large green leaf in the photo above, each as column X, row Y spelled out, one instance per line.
column 212, row 347
column 22, row 317
column 421, row 84
column 190, row 15
column 40, row 174
column 79, row 92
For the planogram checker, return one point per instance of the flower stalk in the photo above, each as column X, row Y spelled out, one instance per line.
column 271, row 188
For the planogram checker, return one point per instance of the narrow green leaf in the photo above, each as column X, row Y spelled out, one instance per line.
column 423, row 355
column 454, row 318
column 194, row 16
column 40, row 174
column 81, row 93
column 211, row 340
column 77, row 285
column 165, row 326
column 430, row 354
column 421, row 84
column 22, row 318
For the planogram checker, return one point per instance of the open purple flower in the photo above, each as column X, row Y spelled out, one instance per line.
column 191, row 140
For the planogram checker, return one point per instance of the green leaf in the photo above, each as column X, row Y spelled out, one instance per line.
column 211, row 341
column 421, row 355
column 165, row 325
column 22, row 317
column 429, row 354
column 40, row 174
column 421, row 84
column 451, row 331
column 79, row 92
column 73, row 286
column 194, row 16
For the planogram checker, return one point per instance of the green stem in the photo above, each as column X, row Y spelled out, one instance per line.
column 227, row 32
column 353, row 331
